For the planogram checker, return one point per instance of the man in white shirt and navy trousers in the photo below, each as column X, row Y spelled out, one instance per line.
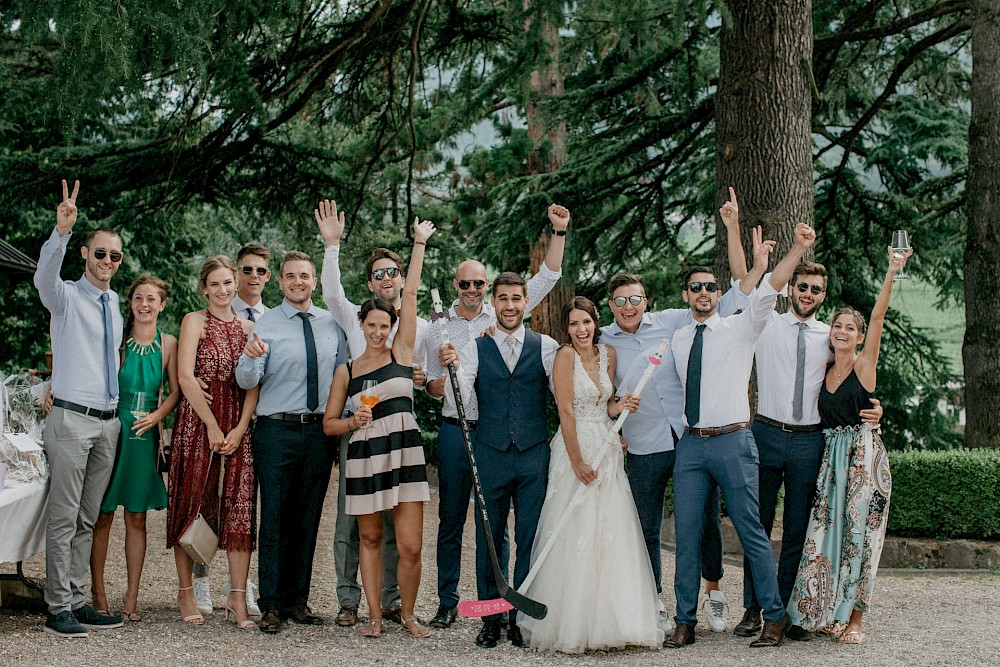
column 713, row 358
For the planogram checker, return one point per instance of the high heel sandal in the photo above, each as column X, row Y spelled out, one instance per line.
column 191, row 619
column 130, row 616
column 417, row 631
column 373, row 628
column 93, row 599
column 244, row 625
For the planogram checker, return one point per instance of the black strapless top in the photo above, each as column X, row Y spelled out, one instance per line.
column 842, row 407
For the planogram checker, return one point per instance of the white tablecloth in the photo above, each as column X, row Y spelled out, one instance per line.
column 23, row 513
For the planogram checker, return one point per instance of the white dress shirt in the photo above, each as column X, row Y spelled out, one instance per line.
column 776, row 355
column 727, row 358
column 345, row 313
column 240, row 307
column 468, row 362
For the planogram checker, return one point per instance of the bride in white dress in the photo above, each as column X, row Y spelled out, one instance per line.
column 595, row 576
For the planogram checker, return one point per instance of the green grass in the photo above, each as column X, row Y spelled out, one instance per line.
column 916, row 299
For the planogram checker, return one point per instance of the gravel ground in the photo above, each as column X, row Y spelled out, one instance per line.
column 915, row 621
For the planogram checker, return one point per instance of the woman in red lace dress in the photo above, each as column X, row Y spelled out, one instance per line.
column 212, row 438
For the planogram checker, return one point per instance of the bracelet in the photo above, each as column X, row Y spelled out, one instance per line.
column 419, row 243
column 558, row 232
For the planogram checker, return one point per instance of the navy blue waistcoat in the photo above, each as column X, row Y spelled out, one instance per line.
column 511, row 405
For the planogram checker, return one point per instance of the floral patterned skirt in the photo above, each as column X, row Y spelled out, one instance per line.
column 846, row 529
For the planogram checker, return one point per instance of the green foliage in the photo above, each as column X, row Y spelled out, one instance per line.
column 945, row 494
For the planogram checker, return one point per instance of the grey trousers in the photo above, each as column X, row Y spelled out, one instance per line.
column 347, row 549
column 81, row 454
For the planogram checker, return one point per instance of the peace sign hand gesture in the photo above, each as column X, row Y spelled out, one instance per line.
column 330, row 223
column 66, row 211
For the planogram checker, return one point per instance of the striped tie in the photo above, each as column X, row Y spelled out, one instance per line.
column 800, row 372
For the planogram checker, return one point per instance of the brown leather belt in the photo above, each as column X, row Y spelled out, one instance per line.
column 716, row 430
column 791, row 428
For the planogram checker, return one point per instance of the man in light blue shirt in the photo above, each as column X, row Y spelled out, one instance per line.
column 81, row 431
column 292, row 353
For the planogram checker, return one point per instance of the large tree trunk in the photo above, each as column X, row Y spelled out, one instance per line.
column 981, row 348
column 548, row 155
column 763, row 121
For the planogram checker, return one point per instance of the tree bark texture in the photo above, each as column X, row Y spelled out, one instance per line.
column 981, row 347
column 548, row 155
column 763, row 121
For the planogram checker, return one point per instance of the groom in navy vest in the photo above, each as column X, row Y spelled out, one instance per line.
column 509, row 371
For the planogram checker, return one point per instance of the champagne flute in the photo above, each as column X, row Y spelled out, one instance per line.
column 138, row 410
column 369, row 396
column 900, row 246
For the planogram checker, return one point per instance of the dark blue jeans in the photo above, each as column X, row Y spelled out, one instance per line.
column 455, row 487
column 730, row 461
column 293, row 463
column 648, row 475
column 792, row 459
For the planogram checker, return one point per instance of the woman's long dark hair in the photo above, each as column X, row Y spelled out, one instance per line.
column 586, row 305
column 144, row 279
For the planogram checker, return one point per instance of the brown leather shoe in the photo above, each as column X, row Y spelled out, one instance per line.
column 772, row 634
column 270, row 623
column 301, row 614
column 348, row 616
column 682, row 636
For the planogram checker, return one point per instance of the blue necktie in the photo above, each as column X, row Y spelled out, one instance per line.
column 250, row 317
column 312, row 368
column 692, row 394
column 110, row 361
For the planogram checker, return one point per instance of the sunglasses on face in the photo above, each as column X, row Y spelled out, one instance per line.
column 379, row 274
column 711, row 288
column 248, row 270
column 101, row 253
column 465, row 284
column 806, row 287
column 620, row 301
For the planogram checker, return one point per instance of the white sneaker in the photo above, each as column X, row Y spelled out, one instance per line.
column 203, row 594
column 663, row 620
column 714, row 607
column 251, row 598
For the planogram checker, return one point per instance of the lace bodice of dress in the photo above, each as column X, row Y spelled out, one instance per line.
column 590, row 402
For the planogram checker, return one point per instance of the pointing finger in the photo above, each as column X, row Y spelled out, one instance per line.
column 732, row 194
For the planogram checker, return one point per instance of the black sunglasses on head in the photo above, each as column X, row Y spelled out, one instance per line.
column 806, row 287
column 101, row 253
column 465, row 284
column 248, row 270
column 634, row 299
column 711, row 288
column 379, row 274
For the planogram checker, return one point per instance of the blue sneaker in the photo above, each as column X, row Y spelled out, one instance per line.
column 64, row 624
column 89, row 618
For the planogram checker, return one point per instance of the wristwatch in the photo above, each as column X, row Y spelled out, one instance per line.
column 558, row 232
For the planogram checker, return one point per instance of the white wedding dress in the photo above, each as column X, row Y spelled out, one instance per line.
column 595, row 577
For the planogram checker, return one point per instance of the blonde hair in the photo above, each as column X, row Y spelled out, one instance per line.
column 213, row 263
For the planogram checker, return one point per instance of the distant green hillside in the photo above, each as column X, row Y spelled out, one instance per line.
column 916, row 299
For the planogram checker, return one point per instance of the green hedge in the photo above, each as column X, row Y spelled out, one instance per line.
column 945, row 494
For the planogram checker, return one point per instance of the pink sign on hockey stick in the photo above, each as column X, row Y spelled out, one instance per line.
column 480, row 608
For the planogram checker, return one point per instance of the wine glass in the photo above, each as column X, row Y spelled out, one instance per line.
column 419, row 358
column 138, row 410
column 369, row 396
column 900, row 246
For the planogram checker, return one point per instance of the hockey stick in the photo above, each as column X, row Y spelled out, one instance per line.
column 520, row 602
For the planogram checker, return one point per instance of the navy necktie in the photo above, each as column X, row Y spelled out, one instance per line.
column 312, row 369
column 692, row 395
column 110, row 358
column 250, row 317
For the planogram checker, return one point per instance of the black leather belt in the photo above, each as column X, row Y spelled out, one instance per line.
column 791, row 428
column 717, row 430
column 305, row 418
column 84, row 410
column 454, row 422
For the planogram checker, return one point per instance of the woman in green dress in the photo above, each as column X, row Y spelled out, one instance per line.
column 148, row 358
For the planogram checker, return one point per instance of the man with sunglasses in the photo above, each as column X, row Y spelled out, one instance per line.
column 792, row 357
column 252, row 274
column 384, row 271
column 81, row 432
column 467, row 318
column 653, row 431
column 713, row 357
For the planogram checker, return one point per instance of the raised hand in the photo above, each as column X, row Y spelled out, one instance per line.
column 897, row 259
column 805, row 235
column 66, row 211
column 255, row 347
column 761, row 249
column 422, row 230
column 559, row 217
column 329, row 221
column 730, row 211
